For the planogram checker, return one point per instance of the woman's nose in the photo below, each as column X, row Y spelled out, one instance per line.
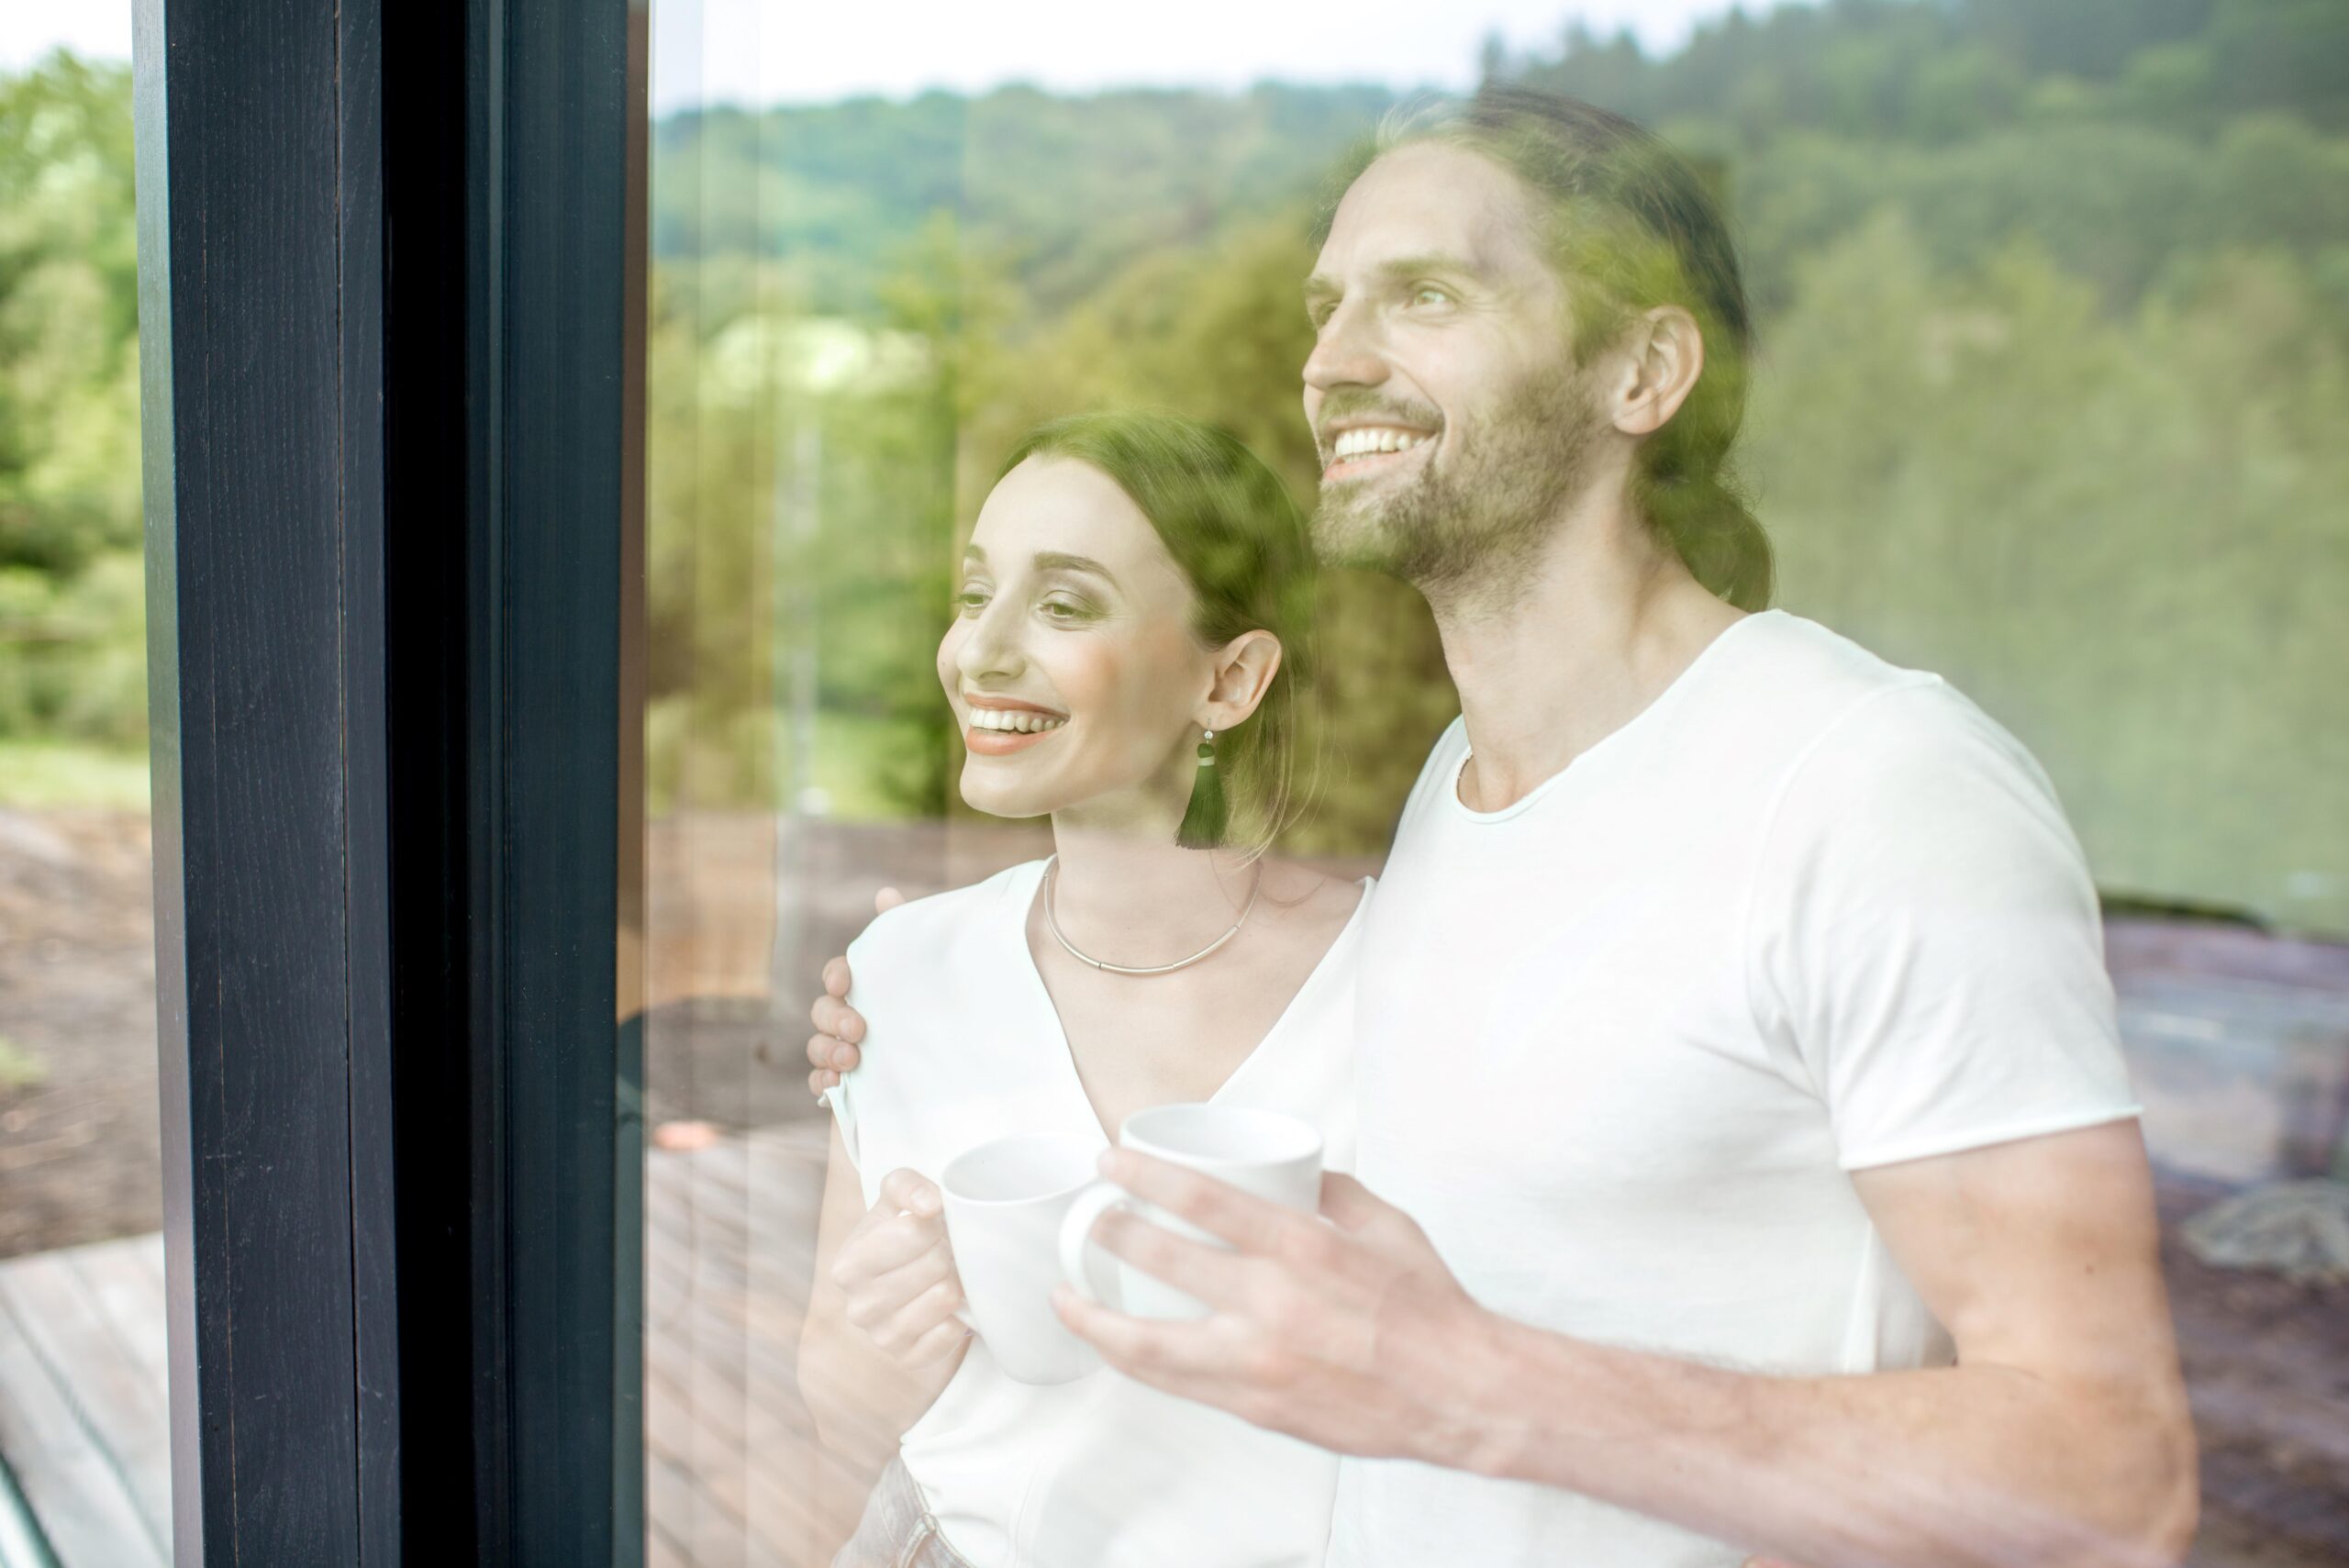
column 992, row 648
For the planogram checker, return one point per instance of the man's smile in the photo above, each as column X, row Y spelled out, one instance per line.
column 1366, row 449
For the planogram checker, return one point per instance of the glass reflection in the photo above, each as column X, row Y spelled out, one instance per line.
column 1729, row 1146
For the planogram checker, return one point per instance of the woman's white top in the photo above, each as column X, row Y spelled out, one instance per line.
column 963, row 1045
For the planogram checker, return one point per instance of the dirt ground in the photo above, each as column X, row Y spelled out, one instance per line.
column 2266, row 1361
column 79, row 1143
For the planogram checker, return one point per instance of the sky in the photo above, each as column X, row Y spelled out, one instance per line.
column 750, row 51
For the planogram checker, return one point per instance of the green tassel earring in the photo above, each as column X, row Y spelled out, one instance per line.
column 1204, row 823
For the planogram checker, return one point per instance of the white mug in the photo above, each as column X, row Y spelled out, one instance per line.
column 1005, row 1201
column 1270, row 1154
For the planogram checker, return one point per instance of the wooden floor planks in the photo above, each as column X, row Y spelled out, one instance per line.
column 734, row 1477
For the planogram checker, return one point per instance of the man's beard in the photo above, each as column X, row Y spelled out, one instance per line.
column 1466, row 531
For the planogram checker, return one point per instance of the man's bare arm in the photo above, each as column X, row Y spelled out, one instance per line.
column 2060, row 1438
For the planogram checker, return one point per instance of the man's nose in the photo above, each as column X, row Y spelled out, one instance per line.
column 1346, row 353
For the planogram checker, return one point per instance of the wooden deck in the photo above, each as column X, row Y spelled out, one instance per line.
column 84, row 1421
column 733, row 1476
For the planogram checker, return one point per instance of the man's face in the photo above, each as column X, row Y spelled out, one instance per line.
column 1452, row 422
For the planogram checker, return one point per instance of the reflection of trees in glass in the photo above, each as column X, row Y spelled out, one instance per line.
column 73, row 640
column 2125, row 536
column 2054, row 309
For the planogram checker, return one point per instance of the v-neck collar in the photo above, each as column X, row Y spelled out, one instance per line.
column 1020, row 899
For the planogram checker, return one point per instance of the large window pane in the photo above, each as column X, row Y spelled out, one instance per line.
column 2047, row 345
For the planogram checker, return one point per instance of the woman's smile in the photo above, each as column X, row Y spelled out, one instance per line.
column 1000, row 726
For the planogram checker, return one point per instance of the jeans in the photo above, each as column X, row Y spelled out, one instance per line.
column 898, row 1531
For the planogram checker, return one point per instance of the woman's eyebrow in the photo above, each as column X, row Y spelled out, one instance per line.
column 1061, row 561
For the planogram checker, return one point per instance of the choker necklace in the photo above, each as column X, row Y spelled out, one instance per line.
column 1052, row 870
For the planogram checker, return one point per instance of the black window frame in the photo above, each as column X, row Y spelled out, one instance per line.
column 391, row 318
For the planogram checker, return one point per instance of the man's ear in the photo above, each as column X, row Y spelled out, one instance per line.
column 1244, row 669
column 1663, row 352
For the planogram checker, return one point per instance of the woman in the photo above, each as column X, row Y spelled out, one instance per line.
column 1129, row 657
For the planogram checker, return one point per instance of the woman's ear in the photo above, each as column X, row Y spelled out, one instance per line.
column 1244, row 669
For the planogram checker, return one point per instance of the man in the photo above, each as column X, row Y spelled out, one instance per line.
column 1755, row 1167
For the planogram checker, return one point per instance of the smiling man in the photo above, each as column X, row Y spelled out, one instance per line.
column 1755, row 1171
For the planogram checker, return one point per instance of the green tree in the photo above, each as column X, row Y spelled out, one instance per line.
column 72, row 630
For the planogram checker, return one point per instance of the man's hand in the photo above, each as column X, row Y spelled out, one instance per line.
column 1310, row 1319
column 831, row 1050
column 895, row 1275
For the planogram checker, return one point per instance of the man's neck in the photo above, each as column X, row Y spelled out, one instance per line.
column 1605, row 619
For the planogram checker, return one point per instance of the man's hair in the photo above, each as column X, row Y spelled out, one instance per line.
column 1629, row 225
column 1244, row 547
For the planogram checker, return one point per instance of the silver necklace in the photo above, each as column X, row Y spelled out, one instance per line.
column 1052, row 873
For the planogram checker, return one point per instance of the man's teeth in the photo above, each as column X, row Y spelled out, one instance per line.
column 1368, row 440
column 1014, row 721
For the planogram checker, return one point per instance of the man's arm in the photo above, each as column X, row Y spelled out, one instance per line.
column 2060, row 1437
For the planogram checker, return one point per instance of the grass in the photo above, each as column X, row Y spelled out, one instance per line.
column 20, row 1068
column 47, row 773
column 855, row 756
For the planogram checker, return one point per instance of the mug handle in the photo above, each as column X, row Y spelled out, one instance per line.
column 1076, row 1234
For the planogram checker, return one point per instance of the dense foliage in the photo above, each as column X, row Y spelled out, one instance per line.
column 2054, row 322
column 73, row 655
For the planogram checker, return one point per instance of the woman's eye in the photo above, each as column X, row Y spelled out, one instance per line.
column 1427, row 293
column 1062, row 609
column 970, row 601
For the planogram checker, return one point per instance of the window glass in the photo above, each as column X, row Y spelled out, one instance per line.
column 1873, row 471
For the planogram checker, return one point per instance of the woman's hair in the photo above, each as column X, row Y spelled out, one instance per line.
column 1630, row 226
column 1243, row 546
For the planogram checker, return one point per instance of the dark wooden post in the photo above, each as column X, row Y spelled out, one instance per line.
column 384, row 259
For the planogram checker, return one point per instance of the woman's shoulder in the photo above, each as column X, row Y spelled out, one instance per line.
column 1319, row 903
column 960, row 923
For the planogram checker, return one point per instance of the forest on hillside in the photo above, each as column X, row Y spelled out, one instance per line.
column 2054, row 320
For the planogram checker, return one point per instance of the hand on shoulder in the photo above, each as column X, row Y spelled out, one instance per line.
column 831, row 1050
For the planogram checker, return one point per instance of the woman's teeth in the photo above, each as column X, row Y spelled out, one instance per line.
column 1014, row 722
column 1372, row 441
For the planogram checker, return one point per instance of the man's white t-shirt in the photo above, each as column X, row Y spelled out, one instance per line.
column 962, row 1045
column 1623, row 1041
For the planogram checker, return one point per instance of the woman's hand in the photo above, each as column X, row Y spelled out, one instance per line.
column 831, row 1050
column 896, row 1277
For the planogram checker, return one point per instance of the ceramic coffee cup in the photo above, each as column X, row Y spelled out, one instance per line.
column 1005, row 1201
column 1270, row 1154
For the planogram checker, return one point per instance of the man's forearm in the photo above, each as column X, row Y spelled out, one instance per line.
column 1926, row 1469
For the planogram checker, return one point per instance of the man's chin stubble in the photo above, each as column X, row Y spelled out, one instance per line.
column 1427, row 539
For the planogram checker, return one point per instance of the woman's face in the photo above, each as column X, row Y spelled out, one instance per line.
column 1070, row 663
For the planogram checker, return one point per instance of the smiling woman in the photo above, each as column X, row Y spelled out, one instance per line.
column 1134, row 582
column 1126, row 565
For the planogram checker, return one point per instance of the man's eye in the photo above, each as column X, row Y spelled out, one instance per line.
column 970, row 601
column 1429, row 294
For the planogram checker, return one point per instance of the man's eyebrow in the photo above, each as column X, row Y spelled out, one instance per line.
column 1061, row 561
column 1321, row 286
column 1431, row 261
